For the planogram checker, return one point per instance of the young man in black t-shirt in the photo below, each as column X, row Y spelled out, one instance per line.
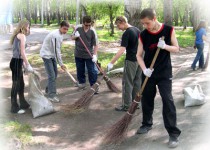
column 132, row 73
column 160, row 75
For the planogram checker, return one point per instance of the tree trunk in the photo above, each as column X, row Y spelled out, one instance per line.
column 48, row 12
column 111, row 19
column 35, row 12
column 28, row 16
column 176, row 17
column 58, row 12
column 132, row 12
column 185, row 18
column 194, row 18
column 153, row 4
column 84, row 11
column 168, row 8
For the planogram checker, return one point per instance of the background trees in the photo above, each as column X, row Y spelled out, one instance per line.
column 174, row 12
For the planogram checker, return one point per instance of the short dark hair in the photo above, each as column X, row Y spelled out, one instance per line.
column 148, row 12
column 64, row 23
column 86, row 19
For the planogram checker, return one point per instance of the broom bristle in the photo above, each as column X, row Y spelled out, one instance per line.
column 118, row 130
column 83, row 102
column 110, row 85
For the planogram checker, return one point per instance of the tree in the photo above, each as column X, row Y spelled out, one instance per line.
column 132, row 12
column 28, row 11
column 168, row 11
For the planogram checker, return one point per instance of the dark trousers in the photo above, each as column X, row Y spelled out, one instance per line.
column 92, row 72
column 17, row 85
column 168, row 110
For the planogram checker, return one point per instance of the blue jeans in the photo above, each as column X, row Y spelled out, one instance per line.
column 199, row 56
column 92, row 73
column 51, row 69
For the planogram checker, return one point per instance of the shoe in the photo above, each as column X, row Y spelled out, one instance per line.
column 54, row 99
column 193, row 68
column 122, row 108
column 21, row 111
column 143, row 129
column 97, row 91
column 81, row 86
column 173, row 142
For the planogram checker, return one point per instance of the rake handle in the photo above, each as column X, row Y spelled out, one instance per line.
column 151, row 67
column 91, row 56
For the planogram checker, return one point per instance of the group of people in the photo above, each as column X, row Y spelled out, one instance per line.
column 140, row 48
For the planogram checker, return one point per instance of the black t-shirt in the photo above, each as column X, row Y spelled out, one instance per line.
column 130, row 42
column 162, row 66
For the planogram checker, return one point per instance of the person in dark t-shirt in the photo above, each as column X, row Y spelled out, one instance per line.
column 160, row 75
column 132, row 72
column 82, row 57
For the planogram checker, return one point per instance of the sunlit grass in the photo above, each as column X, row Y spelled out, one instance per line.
column 22, row 132
column 185, row 38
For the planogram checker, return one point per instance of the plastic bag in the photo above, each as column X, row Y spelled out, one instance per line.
column 193, row 96
column 40, row 105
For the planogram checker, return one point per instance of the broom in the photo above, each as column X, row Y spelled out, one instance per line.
column 110, row 85
column 72, row 78
column 207, row 60
column 85, row 99
column 117, row 131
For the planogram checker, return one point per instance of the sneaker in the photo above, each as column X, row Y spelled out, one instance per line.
column 54, row 99
column 97, row 91
column 122, row 108
column 173, row 142
column 21, row 111
column 81, row 86
column 143, row 129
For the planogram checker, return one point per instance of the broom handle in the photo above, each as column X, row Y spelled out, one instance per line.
column 151, row 67
column 91, row 55
column 72, row 78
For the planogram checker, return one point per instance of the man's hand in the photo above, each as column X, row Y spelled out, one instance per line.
column 109, row 66
column 76, row 34
column 148, row 72
column 94, row 59
column 161, row 44
column 63, row 67
column 29, row 68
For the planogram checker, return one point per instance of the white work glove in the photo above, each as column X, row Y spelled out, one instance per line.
column 109, row 66
column 76, row 34
column 161, row 44
column 148, row 72
column 94, row 59
column 29, row 68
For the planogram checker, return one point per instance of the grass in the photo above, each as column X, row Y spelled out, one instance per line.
column 19, row 131
column 185, row 38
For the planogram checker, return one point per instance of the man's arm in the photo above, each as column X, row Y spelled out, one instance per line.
column 174, row 47
column 139, row 55
column 117, row 56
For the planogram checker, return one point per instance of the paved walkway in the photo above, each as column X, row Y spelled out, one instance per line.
column 85, row 131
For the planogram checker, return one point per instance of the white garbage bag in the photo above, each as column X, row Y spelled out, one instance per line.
column 194, row 96
column 40, row 105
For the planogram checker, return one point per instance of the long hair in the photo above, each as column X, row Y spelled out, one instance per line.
column 21, row 28
column 202, row 24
